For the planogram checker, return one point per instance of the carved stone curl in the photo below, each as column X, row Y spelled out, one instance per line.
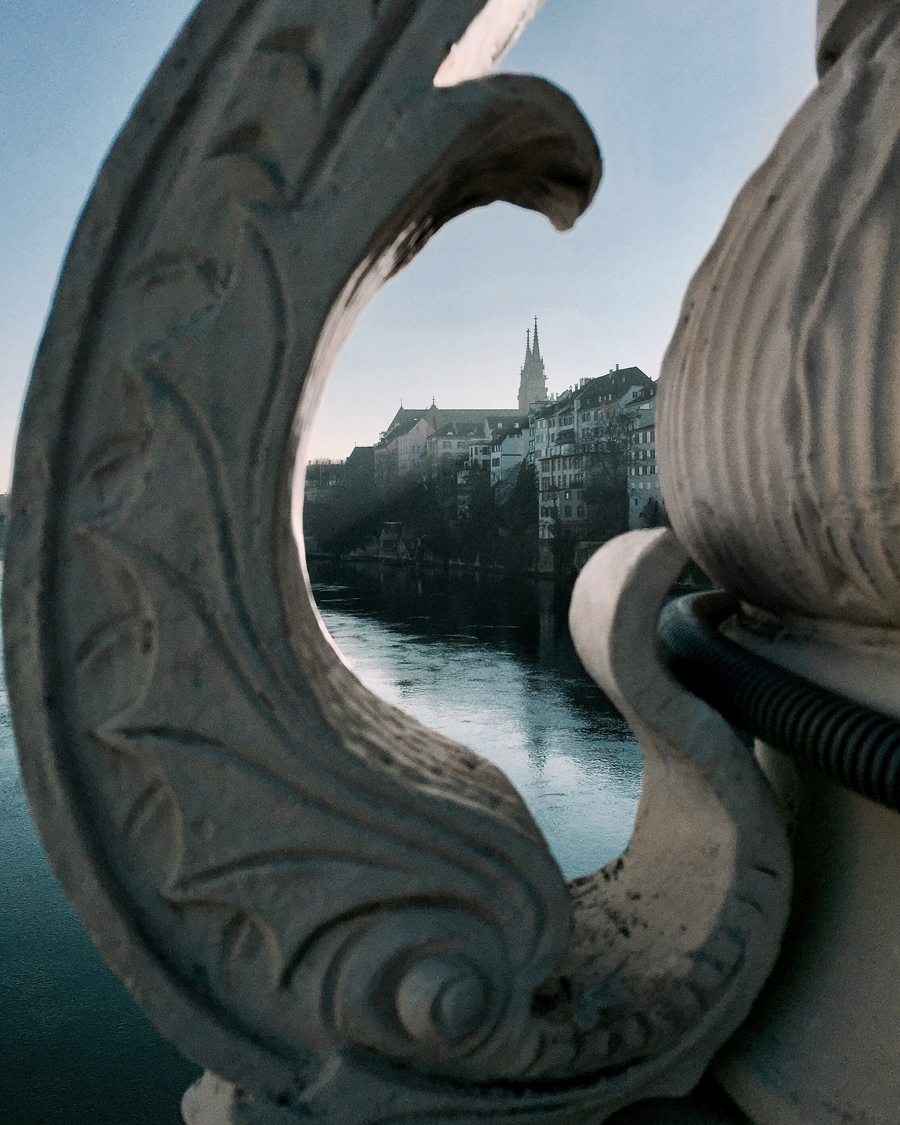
column 332, row 908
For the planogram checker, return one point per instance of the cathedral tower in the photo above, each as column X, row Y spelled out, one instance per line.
column 533, row 382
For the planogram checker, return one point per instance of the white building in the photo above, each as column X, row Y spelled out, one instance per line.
column 571, row 440
column 413, row 435
column 508, row 452
column 645, row 503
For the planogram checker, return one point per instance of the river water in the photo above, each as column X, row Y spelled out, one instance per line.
column 488, row 661
column 485, row 660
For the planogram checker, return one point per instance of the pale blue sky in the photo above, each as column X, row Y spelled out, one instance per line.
column 686, row 97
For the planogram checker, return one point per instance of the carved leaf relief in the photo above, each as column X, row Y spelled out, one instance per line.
column 258, row 833
column 221, row 376
column 115, row 637
column 304, row 877
column 303, row 43
column 253, row 140
column 119, row 432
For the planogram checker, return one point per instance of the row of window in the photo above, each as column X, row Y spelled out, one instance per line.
column 563, row 481
column 642, row 437
column 580, row 512
column 573, row 494
column 642, row 470
column 565, row 461
column 569, row 419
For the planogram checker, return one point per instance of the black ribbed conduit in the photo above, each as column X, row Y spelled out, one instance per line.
column 853, row 745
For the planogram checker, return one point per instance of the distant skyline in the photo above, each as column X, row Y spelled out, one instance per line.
column 686, row 100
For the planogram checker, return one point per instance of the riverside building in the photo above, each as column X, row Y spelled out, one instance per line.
column 645, row 503
column 592, row 449
column 580, row 444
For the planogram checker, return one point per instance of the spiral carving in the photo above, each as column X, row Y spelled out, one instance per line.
column 315, row 897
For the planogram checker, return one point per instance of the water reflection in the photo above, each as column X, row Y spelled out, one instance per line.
column 74, row 1049
column 488, row 661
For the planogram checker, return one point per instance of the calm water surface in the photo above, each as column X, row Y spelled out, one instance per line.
column 486, row 662
column 74, row 1048
column 489, row 662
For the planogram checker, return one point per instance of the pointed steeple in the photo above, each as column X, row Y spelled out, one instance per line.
column 532, row 382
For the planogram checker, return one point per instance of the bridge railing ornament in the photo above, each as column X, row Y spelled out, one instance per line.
column 340, row 914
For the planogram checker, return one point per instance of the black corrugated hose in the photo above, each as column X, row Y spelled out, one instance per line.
column 853, row 745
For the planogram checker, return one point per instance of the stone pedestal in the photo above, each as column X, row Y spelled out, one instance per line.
column 821, row 1046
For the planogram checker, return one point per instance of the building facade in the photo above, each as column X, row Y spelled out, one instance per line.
column 592, row 448
column 420, row 442
column 645, row 503
column 509, row 450
column 580, row 445
column 401, row 449
column 423, row 441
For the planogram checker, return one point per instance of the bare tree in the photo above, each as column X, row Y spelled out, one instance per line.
column 607, row 450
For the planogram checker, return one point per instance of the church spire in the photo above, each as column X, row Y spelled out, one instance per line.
column 532, row 383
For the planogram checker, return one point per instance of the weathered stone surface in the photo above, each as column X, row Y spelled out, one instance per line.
column 821, row 1045
column 839, row 22
column 777, row 428
column 778, row 404
column 212, row 1101
column 708, row 863
column 332, row 908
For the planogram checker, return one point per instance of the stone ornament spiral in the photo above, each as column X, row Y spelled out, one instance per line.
column 329, row 906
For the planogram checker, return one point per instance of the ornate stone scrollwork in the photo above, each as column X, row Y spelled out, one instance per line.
column 337, row 911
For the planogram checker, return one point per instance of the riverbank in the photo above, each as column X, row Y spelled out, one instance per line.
column 692, row 578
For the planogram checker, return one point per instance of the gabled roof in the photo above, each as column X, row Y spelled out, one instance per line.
column 402, row 422
column 510, row 426
column 595, row 392
column 545, row 410
column 362, row 457
column 461, row 422
column 459, row 430
column 646, row 393
column 473, row 418
column 612, row 386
